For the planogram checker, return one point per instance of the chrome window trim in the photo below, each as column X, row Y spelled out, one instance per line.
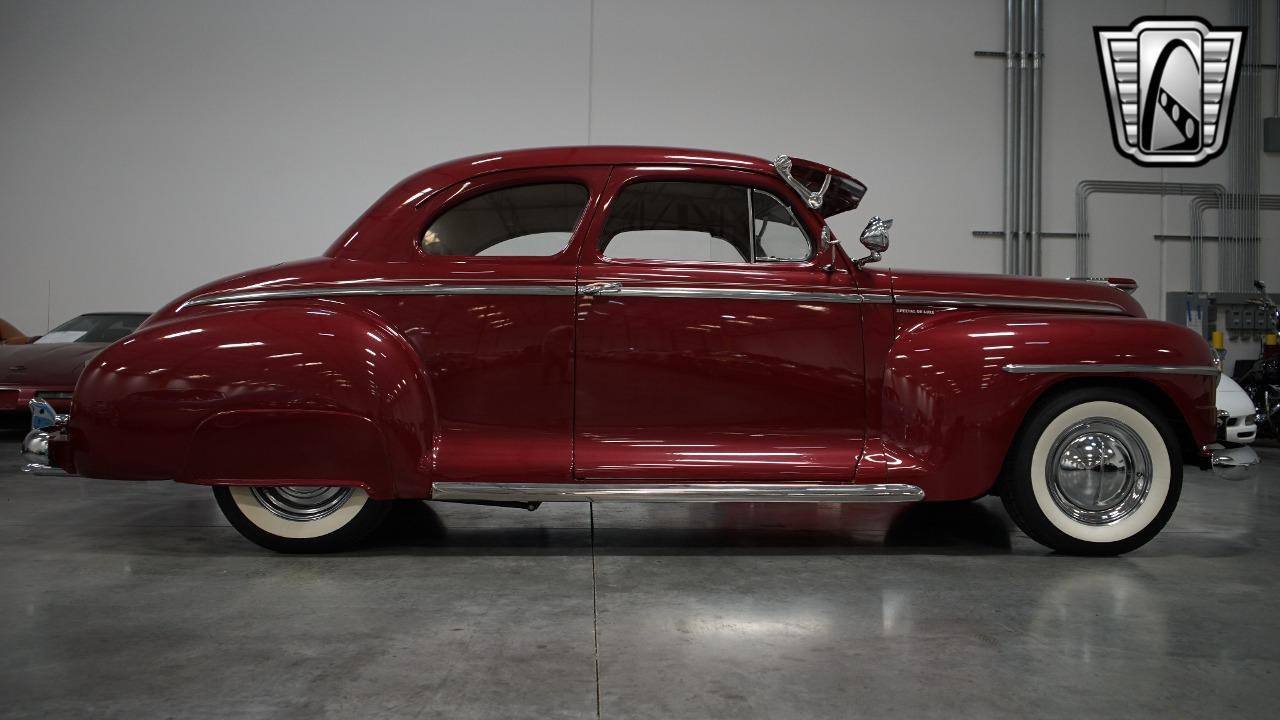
column 1029, row 303
column 1018, row 368
column 678, row 492
column 356, row 290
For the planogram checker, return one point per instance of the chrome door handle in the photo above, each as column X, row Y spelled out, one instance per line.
column 601, row 288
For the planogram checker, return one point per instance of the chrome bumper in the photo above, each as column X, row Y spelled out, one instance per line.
column 35, row 446
column 1235, row 463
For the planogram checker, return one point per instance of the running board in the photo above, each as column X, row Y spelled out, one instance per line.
column 703, row 492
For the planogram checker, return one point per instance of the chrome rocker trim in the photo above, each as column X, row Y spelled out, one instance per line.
column 1125, row 368
column 705, row 492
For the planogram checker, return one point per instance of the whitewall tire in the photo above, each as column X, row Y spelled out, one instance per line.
column 1095, row 471
column 301, row 519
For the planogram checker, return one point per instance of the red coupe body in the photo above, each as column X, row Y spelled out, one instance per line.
column 384, row 366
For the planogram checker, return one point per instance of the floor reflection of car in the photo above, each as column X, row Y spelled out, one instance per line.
column 48, row 367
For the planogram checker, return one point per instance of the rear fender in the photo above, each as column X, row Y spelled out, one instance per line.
column 259, row 393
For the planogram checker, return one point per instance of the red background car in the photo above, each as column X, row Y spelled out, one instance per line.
column 48, row 367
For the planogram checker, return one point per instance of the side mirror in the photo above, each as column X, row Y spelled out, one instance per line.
column 875, row 237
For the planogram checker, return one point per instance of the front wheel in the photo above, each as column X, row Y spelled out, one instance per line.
column 1094, row 472
column 298, row 519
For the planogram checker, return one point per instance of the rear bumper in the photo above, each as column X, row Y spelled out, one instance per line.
column 1233, row 463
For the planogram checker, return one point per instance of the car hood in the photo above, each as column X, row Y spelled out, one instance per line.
column 1012, row 288
column 45, row 363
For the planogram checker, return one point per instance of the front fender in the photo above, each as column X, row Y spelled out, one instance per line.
column 950, row 411
column 258, row 393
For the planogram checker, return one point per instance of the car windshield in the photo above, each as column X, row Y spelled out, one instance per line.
column 94, row 328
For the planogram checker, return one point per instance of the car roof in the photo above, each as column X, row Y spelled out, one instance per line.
column 600, row 155
column 364, row 238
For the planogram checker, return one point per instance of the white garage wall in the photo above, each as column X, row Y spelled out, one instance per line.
column 148, row 147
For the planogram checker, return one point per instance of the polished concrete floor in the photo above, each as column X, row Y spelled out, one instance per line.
column 137, row 600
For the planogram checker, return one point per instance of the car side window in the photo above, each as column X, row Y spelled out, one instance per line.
column 529, row 220
column 707, row 222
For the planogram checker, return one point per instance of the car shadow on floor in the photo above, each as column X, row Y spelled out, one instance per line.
column 950, row 528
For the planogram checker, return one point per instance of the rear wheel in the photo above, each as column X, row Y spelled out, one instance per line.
column 1095, row 472
column 300, row 519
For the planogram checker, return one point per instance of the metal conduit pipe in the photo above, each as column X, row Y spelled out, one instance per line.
column 1085, row 188
column 1037, row 103
column 1198, row 207
column 1024, row 42
column 1238, row 220
column 1011, row 33
column 1024, row 136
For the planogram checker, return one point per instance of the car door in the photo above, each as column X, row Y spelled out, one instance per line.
column 712, row 343
column 493, row 326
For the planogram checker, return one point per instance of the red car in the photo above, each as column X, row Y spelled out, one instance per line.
column 643, row 324
column 47, row 367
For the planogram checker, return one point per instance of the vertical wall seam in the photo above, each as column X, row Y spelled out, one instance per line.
column 591, row 60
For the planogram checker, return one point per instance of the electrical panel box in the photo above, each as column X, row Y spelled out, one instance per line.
column 1194, row 311
column 1271, row 134
column 1236, row 314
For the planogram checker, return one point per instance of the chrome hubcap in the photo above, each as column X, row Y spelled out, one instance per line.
column 299, row 503
column 1099, row 471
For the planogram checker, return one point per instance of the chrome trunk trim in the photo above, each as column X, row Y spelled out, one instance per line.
column 684, row 492
column 1118, row 368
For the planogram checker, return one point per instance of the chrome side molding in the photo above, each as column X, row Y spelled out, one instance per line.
column 1009, row 302
column 1115, row 368
column 323, row 291
column 681, row 291
column 684, row 492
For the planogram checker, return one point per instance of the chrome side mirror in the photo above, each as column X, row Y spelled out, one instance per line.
column 875, row 237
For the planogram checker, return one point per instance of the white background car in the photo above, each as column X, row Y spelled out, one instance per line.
column 1238, row 409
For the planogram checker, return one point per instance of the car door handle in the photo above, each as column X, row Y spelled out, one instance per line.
column 601, row 288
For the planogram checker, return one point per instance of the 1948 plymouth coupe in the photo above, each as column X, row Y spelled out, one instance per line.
column 642, row 324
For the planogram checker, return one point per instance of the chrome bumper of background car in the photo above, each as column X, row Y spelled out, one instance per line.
column 1234, row 463
column 35, row 446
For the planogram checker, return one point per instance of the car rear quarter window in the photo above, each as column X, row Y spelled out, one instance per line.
column 529, row 220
